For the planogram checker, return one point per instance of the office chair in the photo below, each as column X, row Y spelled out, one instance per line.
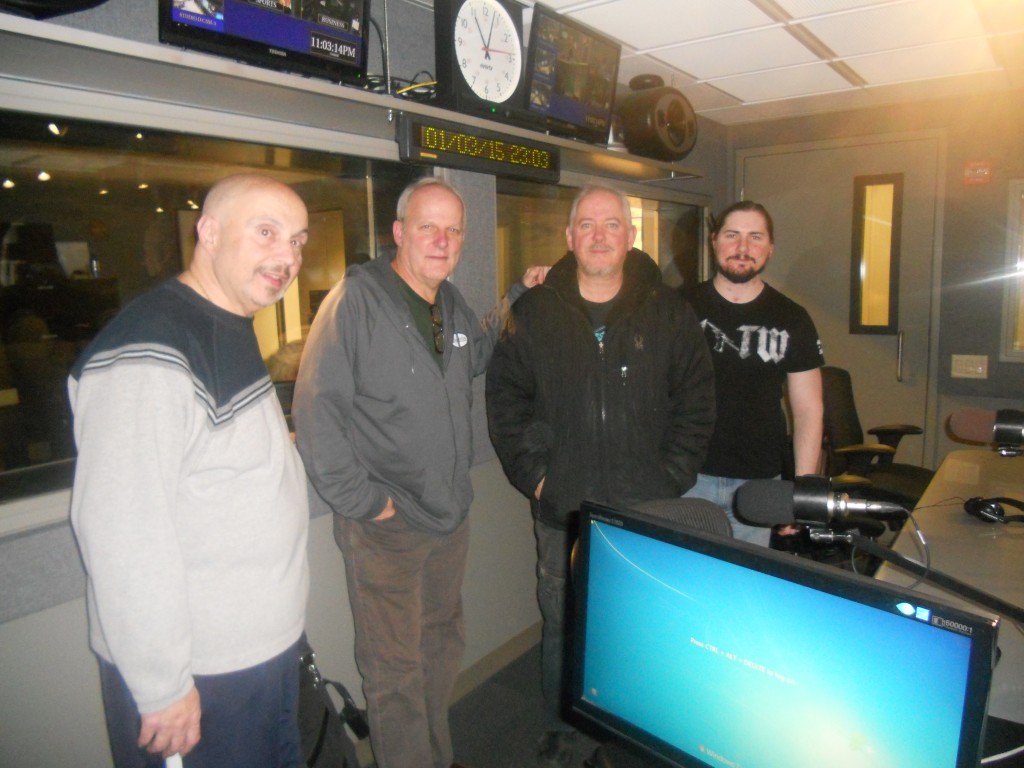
column 849, row 458
column 691, row 512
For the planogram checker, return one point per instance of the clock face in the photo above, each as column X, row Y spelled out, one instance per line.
column 488, row 50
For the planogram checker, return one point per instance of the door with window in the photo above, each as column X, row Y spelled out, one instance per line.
column 810, row 190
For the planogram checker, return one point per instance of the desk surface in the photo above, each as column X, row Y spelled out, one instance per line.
column 988, row 556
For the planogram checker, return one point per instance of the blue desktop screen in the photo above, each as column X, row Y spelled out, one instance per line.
column 738, row 668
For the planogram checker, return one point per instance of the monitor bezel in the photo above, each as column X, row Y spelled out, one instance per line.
column 265, row 55
column 828, row 579
column 554, row 124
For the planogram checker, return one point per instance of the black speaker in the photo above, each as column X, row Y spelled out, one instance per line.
column 991, row 510
column 44, row 9
column 657, row 120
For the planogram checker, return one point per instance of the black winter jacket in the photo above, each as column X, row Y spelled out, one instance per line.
column 624, row 420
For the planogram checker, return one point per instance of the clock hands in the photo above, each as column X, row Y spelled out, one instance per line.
column 487, row 43
column 479, row 29
column 490, row 33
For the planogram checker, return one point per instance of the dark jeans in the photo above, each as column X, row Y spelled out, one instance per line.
column 552, row 589
column 249, row 718
column 405, row 589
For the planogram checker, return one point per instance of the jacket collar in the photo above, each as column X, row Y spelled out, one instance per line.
column 384, row 275
column 640, row 275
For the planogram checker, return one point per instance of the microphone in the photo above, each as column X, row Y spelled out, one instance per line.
column 808, row 499
column 1005, row 427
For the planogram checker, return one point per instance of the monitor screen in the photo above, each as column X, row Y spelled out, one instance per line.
column 710, row 652
column 571, row 74
column 318, row 38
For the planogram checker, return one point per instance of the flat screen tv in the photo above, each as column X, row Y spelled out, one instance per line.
column 571, row 74
column 317, row 38
column 709, row 652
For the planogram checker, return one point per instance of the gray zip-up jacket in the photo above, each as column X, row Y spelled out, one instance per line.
column 374, row 414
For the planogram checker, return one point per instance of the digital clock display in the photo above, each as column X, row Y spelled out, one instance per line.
column 434, row 142
column 332, row 47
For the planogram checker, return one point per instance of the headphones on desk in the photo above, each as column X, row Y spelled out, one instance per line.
column 991, row 510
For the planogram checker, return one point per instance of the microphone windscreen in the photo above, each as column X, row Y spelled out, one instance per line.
column 973, row 424
column 765, row 502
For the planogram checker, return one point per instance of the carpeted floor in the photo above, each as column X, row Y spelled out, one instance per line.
column 499, row 724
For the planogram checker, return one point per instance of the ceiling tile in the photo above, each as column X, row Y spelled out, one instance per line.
column 706, row 97
column 633, row 65
column 747, row 52
column 784, row 83
column 897, row 26
column 723, row 52
column 925, row 62
column 645, row 24
column 560, row 5
column 799, row 9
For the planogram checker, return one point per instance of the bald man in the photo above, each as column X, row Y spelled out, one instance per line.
column 190, row 504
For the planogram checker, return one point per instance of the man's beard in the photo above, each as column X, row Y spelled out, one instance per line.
column 601, row 268
column 740, row 277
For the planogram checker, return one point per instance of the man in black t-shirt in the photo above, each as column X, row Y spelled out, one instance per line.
column 760, row 342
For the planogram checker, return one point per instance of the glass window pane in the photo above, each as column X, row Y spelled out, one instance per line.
column 92, row 215
column 531, row 230
column 876, row 253
column 874, row 276
column 1013, row 301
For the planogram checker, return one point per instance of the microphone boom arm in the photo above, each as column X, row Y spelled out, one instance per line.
column 993, row 603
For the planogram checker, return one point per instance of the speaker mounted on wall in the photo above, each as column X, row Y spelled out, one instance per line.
column 657, row 120
column 44, row 9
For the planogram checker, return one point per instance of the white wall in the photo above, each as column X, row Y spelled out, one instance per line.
column 50, row 710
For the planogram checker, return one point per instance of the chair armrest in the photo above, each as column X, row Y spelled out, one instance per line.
column 891, row 434
column 847, row 482
column 859, row 457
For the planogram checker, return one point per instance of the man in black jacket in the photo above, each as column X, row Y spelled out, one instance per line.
column 600, row 388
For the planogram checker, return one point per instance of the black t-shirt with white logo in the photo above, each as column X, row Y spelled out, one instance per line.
column 753, row 348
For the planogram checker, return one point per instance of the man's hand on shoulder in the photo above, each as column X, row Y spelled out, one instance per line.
column 174, row 730
column 535, row 275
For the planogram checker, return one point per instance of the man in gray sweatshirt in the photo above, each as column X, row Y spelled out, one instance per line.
column 190, row 503
column 382, row 416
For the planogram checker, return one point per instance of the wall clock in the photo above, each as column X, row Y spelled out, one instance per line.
column 479, row 52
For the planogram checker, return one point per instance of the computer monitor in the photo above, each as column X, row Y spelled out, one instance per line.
column 705, row 651
column 317, row 38
column 571, row 73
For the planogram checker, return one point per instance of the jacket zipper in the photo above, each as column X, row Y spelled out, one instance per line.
column 603, row 396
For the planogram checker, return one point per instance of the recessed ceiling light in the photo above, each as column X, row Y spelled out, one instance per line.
column 43, row 176
column 8, row 184
column 143, row 185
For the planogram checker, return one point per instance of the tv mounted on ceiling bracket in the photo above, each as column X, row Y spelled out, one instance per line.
column 317, row 38
column 571, row 73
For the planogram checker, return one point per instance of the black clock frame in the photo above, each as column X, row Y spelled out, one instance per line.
column 452, row 91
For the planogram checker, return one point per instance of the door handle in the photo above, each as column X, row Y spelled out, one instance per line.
column 899, row 357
